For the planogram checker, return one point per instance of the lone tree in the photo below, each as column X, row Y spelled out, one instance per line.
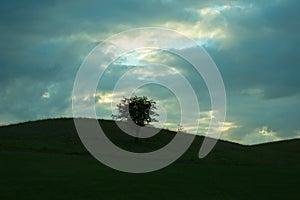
column 139, row 110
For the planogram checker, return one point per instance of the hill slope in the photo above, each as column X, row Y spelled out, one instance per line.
column 46, row 160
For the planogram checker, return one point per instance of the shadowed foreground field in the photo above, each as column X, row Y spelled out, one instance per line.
column 46, row 160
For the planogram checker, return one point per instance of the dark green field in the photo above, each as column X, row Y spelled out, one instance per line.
column 46, row 160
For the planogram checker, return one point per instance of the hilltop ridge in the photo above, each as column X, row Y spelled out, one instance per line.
column 60, row 136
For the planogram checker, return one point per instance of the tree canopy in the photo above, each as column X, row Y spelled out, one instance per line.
column 139, row 110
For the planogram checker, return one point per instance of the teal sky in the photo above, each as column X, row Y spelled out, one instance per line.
column 255, row 45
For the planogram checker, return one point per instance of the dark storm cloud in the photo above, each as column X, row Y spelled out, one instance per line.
column 37, row 36
column 266, row 49
column 260, row 68
column 44, row 43
column 63, row 18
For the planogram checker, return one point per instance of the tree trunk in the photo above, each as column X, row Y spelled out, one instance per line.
column 137, row 133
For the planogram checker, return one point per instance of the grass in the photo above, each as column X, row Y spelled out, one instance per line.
column 46, row 160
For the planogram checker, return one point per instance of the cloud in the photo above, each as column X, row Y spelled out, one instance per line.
column 261, row 135
column 46, row 95
column 263, row 52
column 254, row 44
column 223, row 128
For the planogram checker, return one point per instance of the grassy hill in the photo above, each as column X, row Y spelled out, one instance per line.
column 46, row 160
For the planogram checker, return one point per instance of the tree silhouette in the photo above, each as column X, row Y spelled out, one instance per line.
column 139, row 110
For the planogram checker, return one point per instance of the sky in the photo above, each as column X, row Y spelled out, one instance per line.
column 254, row 44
